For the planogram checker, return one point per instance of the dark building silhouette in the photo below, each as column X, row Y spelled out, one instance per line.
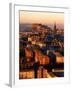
column 55, row 29
column 36, row 66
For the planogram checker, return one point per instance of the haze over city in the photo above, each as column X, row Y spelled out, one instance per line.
column 46, row 18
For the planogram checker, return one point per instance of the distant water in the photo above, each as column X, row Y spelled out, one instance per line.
column 25, row 27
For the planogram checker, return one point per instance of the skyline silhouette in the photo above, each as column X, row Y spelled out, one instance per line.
column 46, row 18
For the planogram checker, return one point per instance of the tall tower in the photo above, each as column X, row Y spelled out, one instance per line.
column 55, row 28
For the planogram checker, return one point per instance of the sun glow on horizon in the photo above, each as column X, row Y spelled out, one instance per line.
column 41, row 17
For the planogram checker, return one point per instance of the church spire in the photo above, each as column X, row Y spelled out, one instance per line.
column 55, row 28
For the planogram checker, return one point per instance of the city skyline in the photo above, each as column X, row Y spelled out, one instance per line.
column 48, row 18
column 41, row 45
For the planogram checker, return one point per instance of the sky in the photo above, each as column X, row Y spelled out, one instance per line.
column 41, row 17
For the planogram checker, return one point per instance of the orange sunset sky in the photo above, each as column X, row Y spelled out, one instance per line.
column 41, row 17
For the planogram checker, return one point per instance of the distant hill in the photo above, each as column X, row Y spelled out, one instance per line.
column 28, row 27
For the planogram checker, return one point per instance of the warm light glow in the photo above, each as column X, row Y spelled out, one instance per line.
column 41, row 17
